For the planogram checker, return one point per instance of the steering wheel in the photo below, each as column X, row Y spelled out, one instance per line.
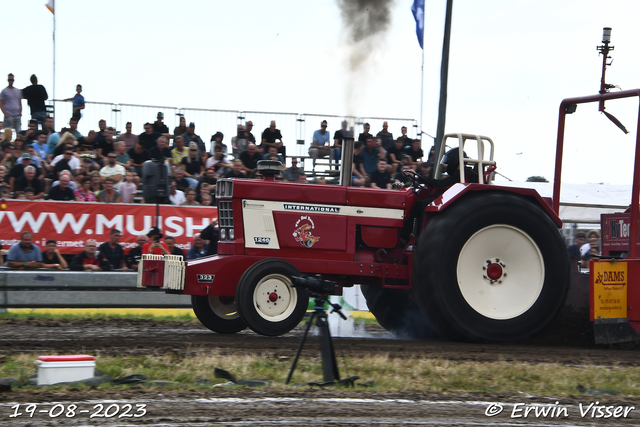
column 418, row 181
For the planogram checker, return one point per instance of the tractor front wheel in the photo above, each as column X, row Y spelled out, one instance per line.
column 267, row 301
column 217, row 313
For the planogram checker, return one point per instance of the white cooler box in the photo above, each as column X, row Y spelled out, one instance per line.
column 62, row 369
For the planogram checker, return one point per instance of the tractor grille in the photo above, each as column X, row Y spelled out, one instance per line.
column 225, row 220
column 224, row 188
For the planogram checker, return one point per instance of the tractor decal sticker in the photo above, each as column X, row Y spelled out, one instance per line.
column 261, row 240
column 302, row 233
column 609, row 289
column 309, row 208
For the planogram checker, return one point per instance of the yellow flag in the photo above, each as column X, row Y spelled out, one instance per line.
column 50, row 6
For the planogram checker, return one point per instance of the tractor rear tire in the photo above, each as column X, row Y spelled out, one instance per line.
column 217, row 313
column 397, row 313
column 492, row 267
column 267, row 301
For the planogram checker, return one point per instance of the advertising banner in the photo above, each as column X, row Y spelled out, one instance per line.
column 72, row 223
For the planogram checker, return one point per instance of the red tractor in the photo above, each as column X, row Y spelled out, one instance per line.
column 470, row 261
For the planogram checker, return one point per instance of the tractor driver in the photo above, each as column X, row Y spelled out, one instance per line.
column 451, row 163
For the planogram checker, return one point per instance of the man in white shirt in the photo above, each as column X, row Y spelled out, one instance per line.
column 113, row 170
column 176, row 196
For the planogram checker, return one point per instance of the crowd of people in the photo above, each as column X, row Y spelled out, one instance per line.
column 585, row 246
column 109, row 255
column 105, row 165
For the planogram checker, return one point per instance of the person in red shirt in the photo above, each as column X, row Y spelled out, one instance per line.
column 154, row 245
column 90, row 259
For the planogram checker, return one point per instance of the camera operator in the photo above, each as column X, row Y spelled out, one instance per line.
column 154, row 245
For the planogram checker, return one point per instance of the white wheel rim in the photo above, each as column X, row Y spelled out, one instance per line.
column 519, row 287
column 279, row 307
column 224, row 310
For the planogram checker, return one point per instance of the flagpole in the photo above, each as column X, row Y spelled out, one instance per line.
column 54, row 57
column 421, row 84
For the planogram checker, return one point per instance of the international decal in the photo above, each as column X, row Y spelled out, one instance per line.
column 302, row 233
column 311, row 208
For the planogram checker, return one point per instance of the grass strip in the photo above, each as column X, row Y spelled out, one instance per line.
column 387, row 373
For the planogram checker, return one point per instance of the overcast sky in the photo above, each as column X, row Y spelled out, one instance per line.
column 512, row 62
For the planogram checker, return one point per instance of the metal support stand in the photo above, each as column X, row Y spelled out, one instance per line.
column 330, row 372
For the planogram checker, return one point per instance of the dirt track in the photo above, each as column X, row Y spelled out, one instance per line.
column 314, row 407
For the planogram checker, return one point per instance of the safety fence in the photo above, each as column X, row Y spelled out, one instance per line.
column 68, row 289
column 296, row 128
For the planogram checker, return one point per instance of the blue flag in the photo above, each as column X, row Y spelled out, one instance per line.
column 418, row 14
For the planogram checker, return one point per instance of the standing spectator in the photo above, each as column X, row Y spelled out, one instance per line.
column 176, row 196
column 415, row 152
column 154, row 245
column 272, row 137
column 338, row 140
column 128, row 188
column 36, row 95
column 199, row 248
column 173, row 249
column 84, row 193
column 381, row 177
column 148, row 137
column 102, row 132
column 574, row 250
column 321, row 145
column 190, row 198
column 90, row 259
column 113, row 251
column 62, row 192
column 385, row 136
column 77, row 103
column 113, row 170
column 52, row 258
column 249, row 159
column 109, row 194
column 160, row 127
column 161, row 150
column 11, row 105
column 593, row 241
column 130, row 139
column 365, row 135
column 135, row 254
column 190, row 136
column 246, row 132
column 192, row 164
column 179, row 151
column 405, row 139
column 291, row 174
column 138, row 155
column 180, row 129
column 358, row 174
column 24, row 255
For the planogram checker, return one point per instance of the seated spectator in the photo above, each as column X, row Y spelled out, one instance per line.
column 175, row 196
column 321, row 144
column 415, row 152
column 154, row 245
column 40, row 146
column 358, row 175
column 130, row 139
column 181, row 181
column 210, row 179
column 84, row 193
column 160, row 127
column 8, row 158
column 90, row 259
column 593, row 240
column 291, row 174
column 190, row 198
column 181, row 129
column 62, row 192
column 203, row 189
column 109, row 194
column 19, row 146
column 173, row 249
column 138, row 155
column 161, row 151
column 113, row 251
column 405, row 139
column 381, row 177
column 192, row 164
column 199, row 248
column 396, row 151
column 113, row 170
column 190, row 135
column 206, row 200
column 66, row 161
column 179, row 151
column 148, row 138
column 404, row 165
column 249, row 159
column 72, row 184
column 574, row 250
column 122, row 157
column 86, row 144
column 272, row 154
column 218, row 161
column 52, row 258
column 66, row 140
column 4, row 178
column 96, row 183
column 18, row 170
column 128, row 188
column 135, row 254
column 272, row 137
column 236, row 171
column 338, row 140
column 426, row 169
column 216, row 141
column 30, row 180
column 24, row 255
